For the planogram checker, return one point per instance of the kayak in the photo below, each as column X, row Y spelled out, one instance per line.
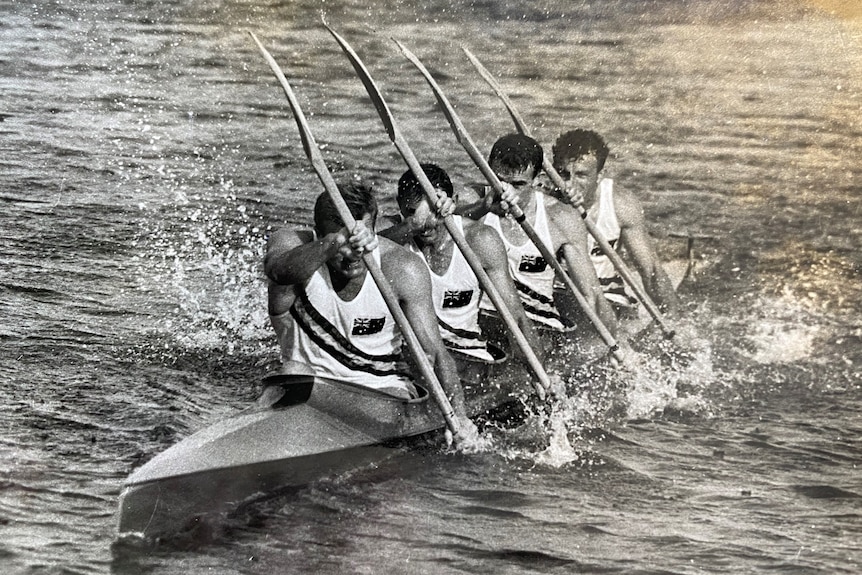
column 633, row 320
column 304, row 427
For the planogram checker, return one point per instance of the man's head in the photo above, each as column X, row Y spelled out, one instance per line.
column 579, row 156
column 359, row 199
column 575, row 144
column 516, row 154
column 363, row 207
column 413, row 202
column 410, row 192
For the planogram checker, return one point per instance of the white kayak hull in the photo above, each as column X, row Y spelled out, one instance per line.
column 317, row 428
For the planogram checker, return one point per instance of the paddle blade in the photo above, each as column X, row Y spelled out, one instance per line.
column 461, row 133
column 312, row 151
column 308, row 143
column 520, row 125
column 368, row 82
column 448, row 111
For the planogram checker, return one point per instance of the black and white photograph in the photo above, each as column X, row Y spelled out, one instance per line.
column 430, row 287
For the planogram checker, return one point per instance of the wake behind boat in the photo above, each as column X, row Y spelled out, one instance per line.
column 304, row 428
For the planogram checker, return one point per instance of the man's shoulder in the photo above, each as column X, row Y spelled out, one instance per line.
column 393, row 253
column 478, row 234
column 564, row 222
column 404, row 269
column 285, row 239
column 558, row 210
column 291, row 234
column 474, row 226
column 622, row 196
column 552, row 202
column 627, row 206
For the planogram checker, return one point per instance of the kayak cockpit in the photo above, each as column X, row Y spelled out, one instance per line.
column 282, row 390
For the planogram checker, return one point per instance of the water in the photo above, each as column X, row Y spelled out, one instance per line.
column 146, row 151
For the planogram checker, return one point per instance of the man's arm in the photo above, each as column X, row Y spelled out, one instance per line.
column 635, row 238
column 280, row 296
column 491, row 251
column 399, row 232
column 402, row 232
column 292, row 256
column 570, row 237
column 474, row 203
column 412, row 284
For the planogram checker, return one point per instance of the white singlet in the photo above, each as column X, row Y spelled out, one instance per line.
column 533, row 276
column 606, row 222
column 456, row 296
column 355, row 341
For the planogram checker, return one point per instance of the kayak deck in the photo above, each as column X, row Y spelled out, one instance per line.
column 314, row 427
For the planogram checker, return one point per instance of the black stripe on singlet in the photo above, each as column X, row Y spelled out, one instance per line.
column 302, row 311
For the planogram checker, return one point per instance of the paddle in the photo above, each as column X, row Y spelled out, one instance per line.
column 606, row 247
column 464, row 139
column 472, row 259
column 389, row 296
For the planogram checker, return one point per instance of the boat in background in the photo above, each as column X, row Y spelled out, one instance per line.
column 303, row 427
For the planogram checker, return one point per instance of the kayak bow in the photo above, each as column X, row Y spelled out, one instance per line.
column 310, row 427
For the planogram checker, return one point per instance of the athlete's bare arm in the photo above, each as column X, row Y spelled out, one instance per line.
column 490, row 249
column 637, row 242
column 292, row 256
column 409, row 278
column 570, row 236
column 276, row 260
column 475, row 203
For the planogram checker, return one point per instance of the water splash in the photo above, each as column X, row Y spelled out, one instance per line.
column 202, row 267
column 783, row 332
column 470, row 440
column 672, row 380
column 561, row 430
column 565, row 419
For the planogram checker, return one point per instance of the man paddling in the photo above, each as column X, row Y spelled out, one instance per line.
column 579, row 157
column 516, row 160
column 328, row 313
column 456, row 290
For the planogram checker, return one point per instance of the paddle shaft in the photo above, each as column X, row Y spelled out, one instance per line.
column 389, row 296
column 466, row 141
column 472, row 259
column 558, row 181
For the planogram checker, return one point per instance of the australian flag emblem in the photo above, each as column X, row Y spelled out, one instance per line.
column 532, row 264
column 457, row 298
column 367, row 325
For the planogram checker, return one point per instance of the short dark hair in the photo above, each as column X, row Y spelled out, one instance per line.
column 358, row 197
column 575, row 144
column 410, row 190
column 517, row 152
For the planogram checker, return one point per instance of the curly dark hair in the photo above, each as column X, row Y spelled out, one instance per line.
column 575, row 144
column 410, row 190
column 517, row 152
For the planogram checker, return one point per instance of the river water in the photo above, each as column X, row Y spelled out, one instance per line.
column 147, row 150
